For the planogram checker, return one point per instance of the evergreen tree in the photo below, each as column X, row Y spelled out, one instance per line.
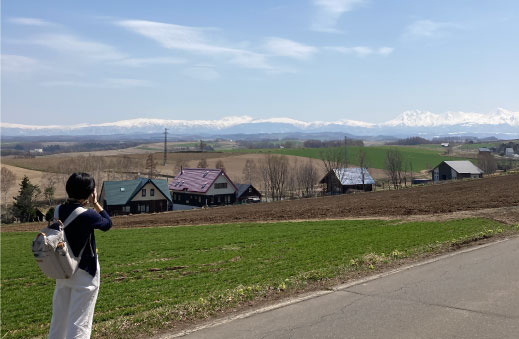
column 23, row 208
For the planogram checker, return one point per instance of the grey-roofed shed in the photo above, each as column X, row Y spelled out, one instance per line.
column 342, row 180
column 460, row 169
column 247, row 193
column 135, row 196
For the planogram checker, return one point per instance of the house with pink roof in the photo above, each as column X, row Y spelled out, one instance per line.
column 199, row 187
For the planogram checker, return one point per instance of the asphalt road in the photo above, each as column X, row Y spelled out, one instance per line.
column 474, row 294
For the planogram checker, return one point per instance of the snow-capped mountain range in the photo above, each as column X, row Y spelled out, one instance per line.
column 501, row 122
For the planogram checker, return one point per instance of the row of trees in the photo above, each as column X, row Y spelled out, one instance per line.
column 280, row 179
column 332, row 143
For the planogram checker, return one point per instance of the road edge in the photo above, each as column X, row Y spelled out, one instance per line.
column 316, row 294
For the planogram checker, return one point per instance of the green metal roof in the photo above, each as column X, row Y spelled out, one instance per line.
column 122, row 191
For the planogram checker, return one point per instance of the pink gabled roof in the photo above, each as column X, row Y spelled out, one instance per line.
column 196, row 179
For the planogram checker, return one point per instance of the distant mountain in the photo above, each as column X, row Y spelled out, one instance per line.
column 502, row 123
column 428, row 119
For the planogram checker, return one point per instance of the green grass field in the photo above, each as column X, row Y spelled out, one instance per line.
column 421, row 158
column 155, row 276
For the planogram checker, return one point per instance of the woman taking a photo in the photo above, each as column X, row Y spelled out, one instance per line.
column 74, row 299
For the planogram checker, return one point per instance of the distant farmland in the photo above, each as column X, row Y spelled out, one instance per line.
column 420, row 158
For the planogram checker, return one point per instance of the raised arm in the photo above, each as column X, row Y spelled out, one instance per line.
column 103, row 221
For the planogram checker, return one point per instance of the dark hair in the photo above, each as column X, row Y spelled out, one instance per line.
column 80, row 185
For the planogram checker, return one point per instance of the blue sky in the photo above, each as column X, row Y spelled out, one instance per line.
column 67, row 62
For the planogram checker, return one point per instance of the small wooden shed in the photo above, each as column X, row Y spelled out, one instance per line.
column 341, row 180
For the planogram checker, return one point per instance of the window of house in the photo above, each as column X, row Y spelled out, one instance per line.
column 220, row 185
column 152, row 192
column 126, row 208
column 143, row 192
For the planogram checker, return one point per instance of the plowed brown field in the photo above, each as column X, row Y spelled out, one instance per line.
column 466, row 195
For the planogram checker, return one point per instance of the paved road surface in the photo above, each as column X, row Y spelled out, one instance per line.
column 474, row 294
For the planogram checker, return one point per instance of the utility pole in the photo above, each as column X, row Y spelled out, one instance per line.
column 165, row 145
column 345, row 152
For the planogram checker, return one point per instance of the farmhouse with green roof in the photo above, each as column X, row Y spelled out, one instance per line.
column 141, row 195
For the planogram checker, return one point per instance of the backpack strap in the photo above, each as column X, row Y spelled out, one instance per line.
column 75, row 213
column 56, row 213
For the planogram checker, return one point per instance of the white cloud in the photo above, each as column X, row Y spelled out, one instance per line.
column 385, row 50
column 30, row 22
column 139, row 62
column 115, row 83
column 329, row 13
column 289, row 48
column 66, row 43
column 428, row 29
column 201, row 72
column 193, row 40
column 127, row 83
column 362, row 51
column 18, row 63
column 96, row 51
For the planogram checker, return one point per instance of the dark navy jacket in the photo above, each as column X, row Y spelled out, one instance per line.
column 80, row 230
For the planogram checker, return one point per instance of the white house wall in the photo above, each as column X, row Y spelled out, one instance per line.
column 219, row 180
column 158, row 194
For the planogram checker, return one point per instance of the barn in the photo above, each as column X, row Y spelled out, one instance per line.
column 342, row 180
column 461, row 169
column 141, row 195
column 199, row 187
column 247, row 193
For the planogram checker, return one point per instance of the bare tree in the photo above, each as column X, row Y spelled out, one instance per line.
column 333, row 159
column 50, row 181
column 411, row 171
column 292, row 182
column 487, row 163
column 306, row 176
column 181, row 162
column 274, row 172
column 7, row 181
column 151, row 166
column 363, row 165
column 250, row 171
column 202, row 146
column 202, row 163
column 394, row 163
column 220, row 165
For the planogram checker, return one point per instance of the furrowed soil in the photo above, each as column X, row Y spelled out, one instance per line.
column 494, row 197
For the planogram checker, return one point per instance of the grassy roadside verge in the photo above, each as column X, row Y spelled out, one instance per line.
column 158, row 277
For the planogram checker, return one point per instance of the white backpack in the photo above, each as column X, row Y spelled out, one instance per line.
column 52, row 251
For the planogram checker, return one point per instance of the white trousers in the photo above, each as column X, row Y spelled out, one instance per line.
column 73, row 306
